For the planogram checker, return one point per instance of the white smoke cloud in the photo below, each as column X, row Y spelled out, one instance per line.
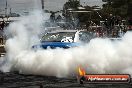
column 98, row 56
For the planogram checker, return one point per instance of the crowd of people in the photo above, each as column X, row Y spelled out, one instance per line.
column 113, row 26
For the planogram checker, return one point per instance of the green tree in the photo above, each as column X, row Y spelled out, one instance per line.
column 118, row 7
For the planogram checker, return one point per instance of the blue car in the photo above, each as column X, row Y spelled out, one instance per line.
column 64, row 39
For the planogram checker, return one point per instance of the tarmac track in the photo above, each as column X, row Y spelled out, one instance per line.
column 15, row 80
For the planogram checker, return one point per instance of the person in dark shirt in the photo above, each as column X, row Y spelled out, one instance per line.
column 52, row 17
column 110, row 24
column 2, row 25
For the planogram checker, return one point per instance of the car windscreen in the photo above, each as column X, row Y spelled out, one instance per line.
column 59, row 37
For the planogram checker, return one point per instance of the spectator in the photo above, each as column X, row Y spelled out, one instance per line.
column 111, row 20
column 52, row 17
column 2, row 25
column 118, row 20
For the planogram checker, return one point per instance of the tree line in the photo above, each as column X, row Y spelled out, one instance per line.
column 118, row 7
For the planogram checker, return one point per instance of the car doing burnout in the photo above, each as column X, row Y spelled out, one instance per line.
column 64, row 39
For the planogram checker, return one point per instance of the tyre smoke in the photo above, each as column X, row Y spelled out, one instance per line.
column 98, row 56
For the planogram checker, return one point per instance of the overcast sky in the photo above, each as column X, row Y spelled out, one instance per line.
column 20, row 6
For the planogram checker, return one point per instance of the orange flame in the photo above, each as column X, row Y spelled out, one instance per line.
column 81, row 71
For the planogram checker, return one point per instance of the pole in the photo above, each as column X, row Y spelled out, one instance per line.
column 42, row 2
column 6, row 9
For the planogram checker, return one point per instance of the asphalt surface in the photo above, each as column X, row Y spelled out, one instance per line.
column 16, row 80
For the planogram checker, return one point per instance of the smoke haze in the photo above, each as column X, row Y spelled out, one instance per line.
column 98, row 56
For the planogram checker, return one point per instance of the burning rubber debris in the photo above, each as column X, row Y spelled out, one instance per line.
column 98, row 56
